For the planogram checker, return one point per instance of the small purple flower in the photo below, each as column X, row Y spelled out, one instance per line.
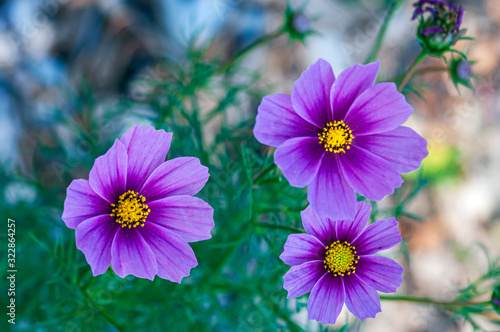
column 340, row 136
column 439, row 30
column 297, row 24
column 335, row 261
column 301, row 23
column 137, row 212
column 446, row 15
column 464, row 69
column 461, row 71
column 424, row 4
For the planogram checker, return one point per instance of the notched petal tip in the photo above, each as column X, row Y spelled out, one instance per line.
column 362, row 300
column 311, row 93
column 147, row 149
column 189, row 217
column 350, row 84
column 174, row 257
column 380, row 235
column 277, row 121
column 82, row 203
column 132, row 255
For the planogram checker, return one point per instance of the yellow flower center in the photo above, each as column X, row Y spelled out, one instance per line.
column 340, row 258
column 336, row 137
column 130, row 209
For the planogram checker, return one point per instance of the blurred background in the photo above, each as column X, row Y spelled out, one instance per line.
column 74, row 75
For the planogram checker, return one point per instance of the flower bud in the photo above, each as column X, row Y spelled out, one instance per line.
column 439, row 27
column 297, row 24
column 461, row 71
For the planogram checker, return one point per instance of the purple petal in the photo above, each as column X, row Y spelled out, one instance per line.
column 351, row 83
column 380, row 235
column 402, row 147
column 300, row 279
column 179, row 176
column 329, row 193
column 189, row 217
column 311, row 93
column 301, row 248
column 94, row 237
column 322, row 228
column 349, row 230
column 369, row 175
column 82, row 203
column 418, row 11
column 299, row 159
column 108, row 176
column 146, row 149
column 436, row 29
column 380, row 108
column 326, row 299
column 174, row 256
column 461, row 12
column 380, row 273
column 277, row 121
column 130, row 254
column 362, row 300
column 450, row 5
column 431, row 10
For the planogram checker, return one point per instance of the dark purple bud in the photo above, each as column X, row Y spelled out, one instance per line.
column 464, row 70
column 301, row 23
column 432, row 6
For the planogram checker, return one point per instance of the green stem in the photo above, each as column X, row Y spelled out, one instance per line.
column 427, row 300
column 381, row 34
column 226, row 255
column 101, row 311
column 263, row 173
column 429, row 70
column 198, row 130
column 265, row 39
column 417, row 72
column 285, row 228
column 410, row 71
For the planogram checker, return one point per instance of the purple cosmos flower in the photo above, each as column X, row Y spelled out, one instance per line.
column 137, row 212
column 335, row 261
column 340, row 136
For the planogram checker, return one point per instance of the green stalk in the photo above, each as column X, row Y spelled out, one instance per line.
column 285, row 228
column 101, row 311
column 406, row 78
column 381, row 34
column 198, row 130
column 418, row 72
column 263, row 173
column 263, row 40
column 427, row 300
